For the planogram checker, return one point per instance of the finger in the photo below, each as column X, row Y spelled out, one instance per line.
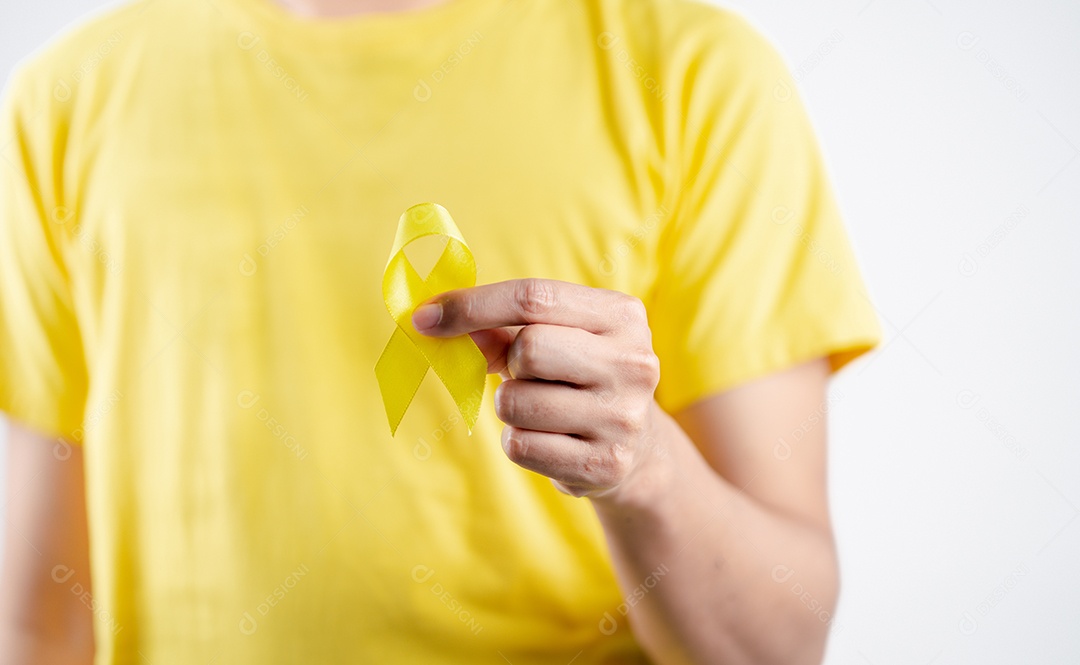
column 525, row 301
column 578, row 465
column 548, row 407
column 558, row 353
column 495, row 345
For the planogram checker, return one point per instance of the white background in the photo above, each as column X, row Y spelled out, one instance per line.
column 952, row 130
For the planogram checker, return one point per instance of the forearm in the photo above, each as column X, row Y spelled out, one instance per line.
column 41, row 621
column 21, row 647
column 709, row 574
column 45, row 565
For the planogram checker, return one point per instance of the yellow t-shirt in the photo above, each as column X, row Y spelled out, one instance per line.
column 198, row 199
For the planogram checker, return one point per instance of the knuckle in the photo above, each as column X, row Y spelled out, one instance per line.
column 515, row 445
column 637, row 310
column 528, row 348
column 631, row 310
column 536, row 296
column 514, row 403
column 649, row 367
column 505, row 403
column 609, row 467
column 642, row 415
column 642, row 366
column 623, row 420
column 629, row 419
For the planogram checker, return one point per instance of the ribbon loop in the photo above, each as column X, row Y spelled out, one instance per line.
column 404, row 362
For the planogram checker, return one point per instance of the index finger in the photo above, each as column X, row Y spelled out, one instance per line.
column 523, row 301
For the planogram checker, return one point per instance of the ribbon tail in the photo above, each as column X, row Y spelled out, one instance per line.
column 462, row 368
column 400, row 371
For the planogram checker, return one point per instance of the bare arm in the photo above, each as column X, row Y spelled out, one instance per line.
column 736, row 536
column 45, row 565
column 723, row 549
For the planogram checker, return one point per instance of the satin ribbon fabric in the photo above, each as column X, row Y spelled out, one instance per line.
column 404, row 362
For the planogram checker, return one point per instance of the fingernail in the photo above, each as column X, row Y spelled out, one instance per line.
column 427, row 316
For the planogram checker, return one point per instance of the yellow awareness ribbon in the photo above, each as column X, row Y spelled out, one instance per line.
column 404, row 362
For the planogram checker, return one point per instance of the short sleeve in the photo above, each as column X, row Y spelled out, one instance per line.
column 756, row 270
column 42, row 369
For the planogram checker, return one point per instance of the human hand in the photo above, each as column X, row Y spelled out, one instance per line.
column 579, row 375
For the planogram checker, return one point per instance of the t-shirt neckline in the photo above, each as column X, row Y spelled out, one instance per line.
column 358, row 33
